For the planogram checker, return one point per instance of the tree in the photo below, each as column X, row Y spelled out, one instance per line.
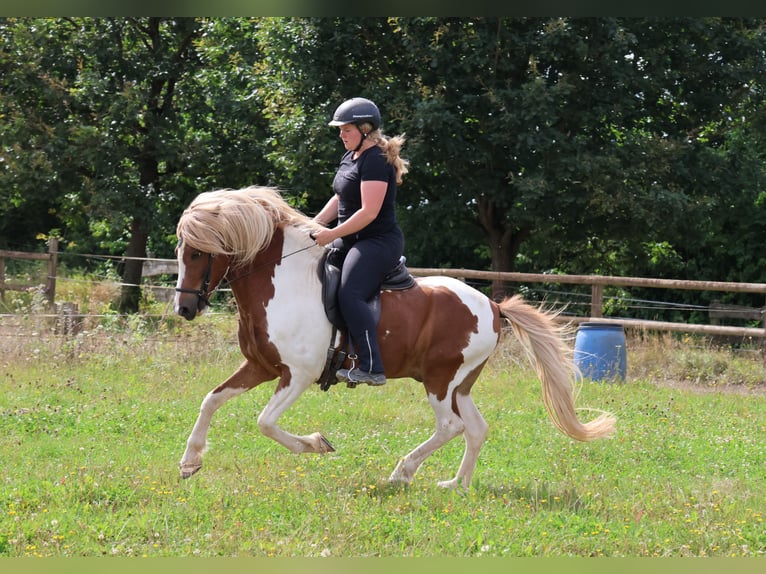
column 573, row 143
column 581, row 131
column 132, row 117
column 32, row 129
column 585, row 145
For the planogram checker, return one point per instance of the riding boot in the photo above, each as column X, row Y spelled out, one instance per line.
column 364, row 373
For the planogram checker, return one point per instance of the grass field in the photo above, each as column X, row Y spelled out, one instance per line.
column 93, row 427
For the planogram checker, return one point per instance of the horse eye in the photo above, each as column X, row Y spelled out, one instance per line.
column 196, row 255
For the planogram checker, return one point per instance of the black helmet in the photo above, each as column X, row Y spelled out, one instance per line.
column 356, row 111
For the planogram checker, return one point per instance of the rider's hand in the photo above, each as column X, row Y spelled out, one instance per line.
column 323, row 236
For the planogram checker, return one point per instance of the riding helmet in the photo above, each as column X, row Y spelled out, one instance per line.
column 356, row 111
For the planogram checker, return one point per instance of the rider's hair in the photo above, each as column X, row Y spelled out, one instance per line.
column 391, row 146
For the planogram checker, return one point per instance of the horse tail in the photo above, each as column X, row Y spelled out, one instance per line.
column 542, row 338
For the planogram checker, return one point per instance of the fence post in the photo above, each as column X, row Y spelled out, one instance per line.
column 2, row 279
column 50, row 288
column 763, row 339
column 596, row 300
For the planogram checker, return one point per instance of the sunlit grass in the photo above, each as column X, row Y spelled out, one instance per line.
column 93, row 428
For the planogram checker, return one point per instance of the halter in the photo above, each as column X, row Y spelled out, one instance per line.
column 201, row 293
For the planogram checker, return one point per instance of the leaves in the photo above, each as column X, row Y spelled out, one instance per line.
column 531, row 140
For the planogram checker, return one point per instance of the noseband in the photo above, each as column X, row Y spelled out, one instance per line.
column 201, row 293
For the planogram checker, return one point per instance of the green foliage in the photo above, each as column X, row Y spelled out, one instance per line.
column 139, row 115
column 574, row 144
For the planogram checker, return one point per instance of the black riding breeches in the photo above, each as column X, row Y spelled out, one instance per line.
column 366, row 264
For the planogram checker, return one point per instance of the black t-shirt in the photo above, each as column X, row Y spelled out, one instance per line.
column 371, row 165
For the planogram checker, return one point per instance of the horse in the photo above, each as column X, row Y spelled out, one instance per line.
column 440, row 332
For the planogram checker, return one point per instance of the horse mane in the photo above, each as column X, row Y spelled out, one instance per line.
column 238, row 222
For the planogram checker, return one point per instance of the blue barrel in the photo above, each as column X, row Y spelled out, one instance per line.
column 600, row 352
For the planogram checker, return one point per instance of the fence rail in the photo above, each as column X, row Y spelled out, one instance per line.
column 598, row 282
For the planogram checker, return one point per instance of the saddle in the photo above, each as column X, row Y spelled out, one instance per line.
column 329, row 270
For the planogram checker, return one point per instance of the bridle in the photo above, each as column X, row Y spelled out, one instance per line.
column 202, row 299
column 202, row 293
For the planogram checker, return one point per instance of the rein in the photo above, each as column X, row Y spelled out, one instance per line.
column 264, row 264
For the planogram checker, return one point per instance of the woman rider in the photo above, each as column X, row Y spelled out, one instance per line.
column 367, row 231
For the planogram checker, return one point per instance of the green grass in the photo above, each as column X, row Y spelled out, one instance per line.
column 93, row 428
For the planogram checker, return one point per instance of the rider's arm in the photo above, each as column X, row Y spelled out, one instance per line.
column 329, row 212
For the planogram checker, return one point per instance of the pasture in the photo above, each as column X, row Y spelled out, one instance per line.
column 93, row 428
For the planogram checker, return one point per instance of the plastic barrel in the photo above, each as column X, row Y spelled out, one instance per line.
column 600, row 352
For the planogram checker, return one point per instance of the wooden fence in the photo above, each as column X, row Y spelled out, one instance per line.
column 154, row 267
column 598, row 282
column 50, row 285
column 716, row 311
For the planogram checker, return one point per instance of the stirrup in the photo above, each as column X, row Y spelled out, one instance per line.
column 355, row 377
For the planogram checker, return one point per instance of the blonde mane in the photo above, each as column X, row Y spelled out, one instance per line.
column 238, row 222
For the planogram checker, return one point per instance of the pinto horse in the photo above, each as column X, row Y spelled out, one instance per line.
column 439, row 332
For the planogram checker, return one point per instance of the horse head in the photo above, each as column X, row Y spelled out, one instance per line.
column 223, row 228
column 199, row 274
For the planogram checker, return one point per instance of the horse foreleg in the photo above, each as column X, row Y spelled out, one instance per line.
column 196, row 444
column 280, row 401
column 245, row 378
column 448, row 426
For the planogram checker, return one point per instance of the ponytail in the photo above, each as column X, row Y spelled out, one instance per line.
column 391, row 146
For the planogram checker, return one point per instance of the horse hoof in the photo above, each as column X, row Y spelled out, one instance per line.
column 188, row 472
column 327, row 445
column 454, row 484
column 398, row 481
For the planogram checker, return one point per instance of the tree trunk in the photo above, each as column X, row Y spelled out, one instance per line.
column 502, row 261
column 504, row 244
column 149, row 180
column 130, row 296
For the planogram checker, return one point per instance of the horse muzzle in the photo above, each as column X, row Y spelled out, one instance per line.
column 189, row 303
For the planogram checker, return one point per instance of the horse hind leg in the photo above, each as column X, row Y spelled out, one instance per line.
column 474, row 433
column 448, row 426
